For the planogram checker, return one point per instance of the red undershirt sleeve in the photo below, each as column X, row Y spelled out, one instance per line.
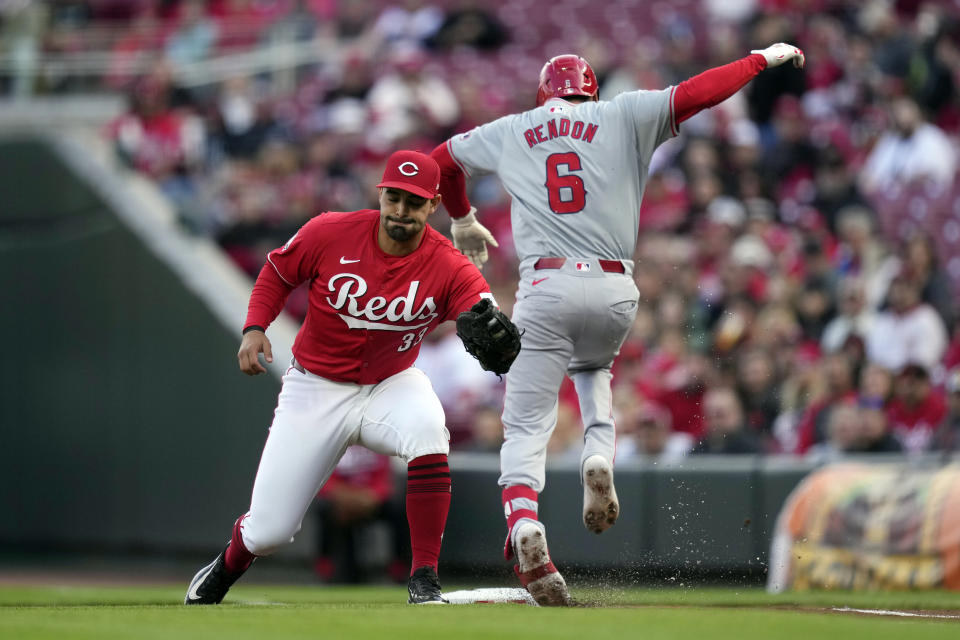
column 453, row 184
column 269, row 295
column 714, row 86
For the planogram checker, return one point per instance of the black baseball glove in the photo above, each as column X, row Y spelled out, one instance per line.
column 489, row 336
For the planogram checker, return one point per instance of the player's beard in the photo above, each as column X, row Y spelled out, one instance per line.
column 399, row 232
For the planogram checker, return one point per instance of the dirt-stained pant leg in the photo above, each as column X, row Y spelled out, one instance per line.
column 530, row 404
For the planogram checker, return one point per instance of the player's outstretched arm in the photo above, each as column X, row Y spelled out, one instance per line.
column 713, row 86
column 254, row 342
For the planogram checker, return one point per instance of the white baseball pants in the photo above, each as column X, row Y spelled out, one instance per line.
column 574, row 321
column 315, row 421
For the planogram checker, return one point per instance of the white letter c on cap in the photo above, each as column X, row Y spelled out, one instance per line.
column 403, row 169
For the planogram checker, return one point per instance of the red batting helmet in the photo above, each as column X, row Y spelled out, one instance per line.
column 566, row 75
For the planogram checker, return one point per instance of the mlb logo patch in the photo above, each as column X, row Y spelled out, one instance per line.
column 583, row 266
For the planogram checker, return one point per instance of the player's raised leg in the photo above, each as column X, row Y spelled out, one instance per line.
column 404, row 418
column 601, row 508
column 612, row 307
column 306, row 440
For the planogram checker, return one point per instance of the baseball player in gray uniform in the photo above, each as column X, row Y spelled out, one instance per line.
column 575, row 168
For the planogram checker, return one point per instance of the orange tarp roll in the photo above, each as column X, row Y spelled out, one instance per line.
column 855, row 526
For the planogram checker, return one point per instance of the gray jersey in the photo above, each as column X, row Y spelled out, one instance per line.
column 576, row 172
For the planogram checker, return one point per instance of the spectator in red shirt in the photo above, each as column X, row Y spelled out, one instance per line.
column 153, row 137
column 917, row 409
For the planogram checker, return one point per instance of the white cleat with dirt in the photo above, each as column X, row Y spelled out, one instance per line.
column 600, row 505
column 535, row 570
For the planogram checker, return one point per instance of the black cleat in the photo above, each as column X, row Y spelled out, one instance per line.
column 211, row 583
column 424, row 587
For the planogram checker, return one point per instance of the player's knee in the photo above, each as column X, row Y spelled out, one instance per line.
column 427, row 432
column 263, row 538
column 427, row 441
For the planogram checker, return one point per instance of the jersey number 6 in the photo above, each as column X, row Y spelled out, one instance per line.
column 575, row 199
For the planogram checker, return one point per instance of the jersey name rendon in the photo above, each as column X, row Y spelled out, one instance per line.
column 559, row 128
column 353, row 287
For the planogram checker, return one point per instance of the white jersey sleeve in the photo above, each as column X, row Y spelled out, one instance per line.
column 651, row 114
column 478, row 151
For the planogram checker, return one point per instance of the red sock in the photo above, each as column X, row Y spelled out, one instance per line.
column 519, row 501
column 237, row 559
column 428, row 501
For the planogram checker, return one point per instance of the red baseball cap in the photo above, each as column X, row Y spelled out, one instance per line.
column 412, row 171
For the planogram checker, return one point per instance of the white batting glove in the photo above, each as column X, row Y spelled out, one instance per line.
column 471, row 238
column 777, row 54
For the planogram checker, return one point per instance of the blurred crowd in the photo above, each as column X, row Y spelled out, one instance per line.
column 799, row 257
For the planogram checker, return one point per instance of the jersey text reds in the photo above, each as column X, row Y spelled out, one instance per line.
column 365, row 321
column 400, row 308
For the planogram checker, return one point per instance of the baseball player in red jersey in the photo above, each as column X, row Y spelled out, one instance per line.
column 379, row 282
column 575, row 168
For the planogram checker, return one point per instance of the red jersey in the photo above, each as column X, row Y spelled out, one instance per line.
column 367, row 311
column 915, row 426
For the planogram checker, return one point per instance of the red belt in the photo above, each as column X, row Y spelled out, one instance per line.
column 610, row 266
